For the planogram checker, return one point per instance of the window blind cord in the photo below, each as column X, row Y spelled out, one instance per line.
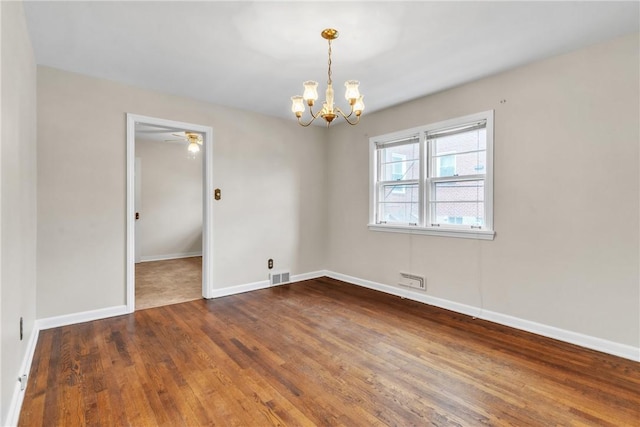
column 411, row 237
column 479, row 278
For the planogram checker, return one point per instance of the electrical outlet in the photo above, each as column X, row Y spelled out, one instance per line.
column 23, row 382
column 270, row 264
column 21, row 329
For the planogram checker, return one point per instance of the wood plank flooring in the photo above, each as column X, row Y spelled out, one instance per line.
column 323, row 353
column 168, row 282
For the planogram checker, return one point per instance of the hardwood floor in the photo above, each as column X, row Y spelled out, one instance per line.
column 168, row 282
column 319, row 352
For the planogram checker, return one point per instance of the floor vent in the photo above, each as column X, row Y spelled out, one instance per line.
column 412, row 281
column 279, row 278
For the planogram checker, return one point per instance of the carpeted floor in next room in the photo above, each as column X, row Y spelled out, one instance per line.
column 168, row 282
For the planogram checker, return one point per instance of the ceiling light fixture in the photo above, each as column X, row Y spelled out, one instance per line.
column 328, row 111
column 193, row 147
column 194, row 141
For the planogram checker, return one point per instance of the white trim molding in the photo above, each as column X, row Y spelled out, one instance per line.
column 207, row 201
column 308, row 276
column 263, row 284
column 17, row 398
column 587, row 341
column 430, row 231
column 85, row 316
column 239, row 289
column 13, row 414
column 582, row 340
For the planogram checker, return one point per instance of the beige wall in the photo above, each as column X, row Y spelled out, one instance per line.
column 271, row 173
column 566, row 196
column 18, row 197
column 170, row 221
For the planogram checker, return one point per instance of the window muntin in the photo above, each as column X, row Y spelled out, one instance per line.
column 435, row 178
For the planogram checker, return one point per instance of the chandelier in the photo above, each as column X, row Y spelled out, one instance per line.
column 328, row 111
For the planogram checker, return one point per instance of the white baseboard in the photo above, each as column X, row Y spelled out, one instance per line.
column 594, row 343
column 149, row 258
column 239, row 289
column 85, row 316
column 47, row 323
column 25, row 367
column 308, row 276
column 103, row 313
column 587, row 341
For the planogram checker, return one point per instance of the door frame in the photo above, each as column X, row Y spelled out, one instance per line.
column 207, row 201
column 136, row 204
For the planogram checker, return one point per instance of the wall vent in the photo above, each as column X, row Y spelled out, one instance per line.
column 412, row 281
column 279, row 278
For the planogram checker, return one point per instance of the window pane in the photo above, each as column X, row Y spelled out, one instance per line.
column 400, row 170
column 458, row 191
column 459, row 154
column 467, row 141
column 460, row 164
column 445, row 165
column 399, row 204
column 461, row 213
column 458, row 202
column 400, row 162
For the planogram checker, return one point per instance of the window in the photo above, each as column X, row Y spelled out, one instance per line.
column 435, row 179
column 399, row 172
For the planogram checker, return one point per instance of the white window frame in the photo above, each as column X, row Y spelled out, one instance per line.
column 486, row 232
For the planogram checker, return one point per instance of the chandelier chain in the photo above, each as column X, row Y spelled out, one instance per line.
column 329, row 72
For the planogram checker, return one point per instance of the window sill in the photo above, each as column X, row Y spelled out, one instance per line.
column 432, row 231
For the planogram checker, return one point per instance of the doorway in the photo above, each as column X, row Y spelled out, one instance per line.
column 166, row 131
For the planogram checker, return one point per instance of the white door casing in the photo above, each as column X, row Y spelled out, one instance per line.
column 137, row 206
column 207, row 202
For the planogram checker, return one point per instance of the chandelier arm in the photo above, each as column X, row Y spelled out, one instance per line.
column 346, row 118
column 307, row 124
column 313, row 117
column 352, row 123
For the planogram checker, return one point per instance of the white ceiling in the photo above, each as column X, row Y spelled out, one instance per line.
column 255, row 55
